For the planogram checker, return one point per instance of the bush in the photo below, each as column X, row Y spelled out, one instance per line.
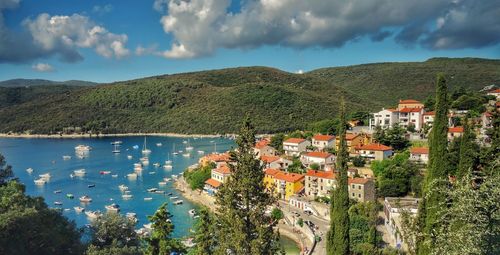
column 358, row 161
column 197, row 177
column 277, row 214
column 314, row 166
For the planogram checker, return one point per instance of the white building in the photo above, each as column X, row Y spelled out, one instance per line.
column 393, row 207
column 323, row 141
column 385, row 118
column 409, row 112
column 275, row 162
column 324, row 160
column 374, row 151
column 429, row 118
column 295, row 146
column 411, row 116
column 419, row 154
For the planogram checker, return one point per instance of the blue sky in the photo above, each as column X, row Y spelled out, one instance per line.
column 50, row 39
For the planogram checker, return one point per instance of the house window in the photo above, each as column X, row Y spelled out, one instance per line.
column 353, row 195
column 352, row 186
column 359, row 187
column 359, row 195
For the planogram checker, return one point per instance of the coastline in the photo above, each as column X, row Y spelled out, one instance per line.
column 77, row 136
column 203, row 199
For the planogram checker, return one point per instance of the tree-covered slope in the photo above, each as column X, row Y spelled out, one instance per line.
column 215, row 101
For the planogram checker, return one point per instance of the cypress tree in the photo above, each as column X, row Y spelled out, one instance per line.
column 468, row 152
column 243, row 226
column 338, row 234
column 436, row 170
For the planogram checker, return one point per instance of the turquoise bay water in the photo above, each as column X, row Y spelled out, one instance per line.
column 45, row 155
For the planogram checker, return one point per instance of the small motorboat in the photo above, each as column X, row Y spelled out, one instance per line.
column 156, row 164
column 152, row 172
column 66, row 157
column 58, row 203
column 57, row 191
column 40, row 181
column 159, row 192
column 187, row 155
column 71, row 176
column 174, row 176
column 162, row 183
column 159, row 144
column 67, row 209
column 184, row 142
column 178, row 202
column 91, row 185
column 122, row 187
column 135, row 147
column 85, row 199
column 93, row 214
column 45, row 176
column 174, row 198
column 114, row 175
column 29, row 170
column 175, row 153
column 152, row 190
column 70, row 196
column 192, row 212
column 148, row 198
column 127, row 196
column 129, row 156
column 104, row 172
column 79, row 209
column 144, row 161
column 167, row 166
column 189, row 148
column 112, row 208
column 201, row 152
column 79, row 172
column 83, row 148
column 167, row 179
column 132, row 176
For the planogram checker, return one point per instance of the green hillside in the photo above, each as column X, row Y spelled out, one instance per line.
column 215, row 101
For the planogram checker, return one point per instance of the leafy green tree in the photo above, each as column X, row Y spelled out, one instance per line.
column 296, row 166
column 160, row 242
column 358, row 161
column 379, row 135
column 205, row 235
column 113, row 231
column 362, row 116
column 429, row 103
column 395, row 137
column 277, row 142
column 5, row 171
column 197, row 177
column 328, row 126
column 244, row 228
column 468, row 152
column 113, row 249
column 300, row 222
column 363, row 234
column 428, row 211
column 338, row 234
column 277, row 214
column 489, row 154
column 314, row 166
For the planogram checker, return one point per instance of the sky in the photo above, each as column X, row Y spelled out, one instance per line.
column 113, row 40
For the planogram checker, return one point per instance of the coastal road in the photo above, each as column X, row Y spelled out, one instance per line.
column 321, row 224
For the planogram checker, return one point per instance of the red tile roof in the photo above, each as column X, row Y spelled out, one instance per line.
column 409, row 101
column 212, row 182
column 262, row 143
column 219, row 157
column 323, row 137
column 223, row 169
column 271, row 171
column 374, row 147
column 392, row 110
column 288, row 177
column 429, row 113
column 350, row 136
column 456, row 130
column 407, row 110
column 294, row 140
column 269, row 159
column 321, row 174
column 358, row 180
column 318, row 154
column 419, row 150
column 495, row 91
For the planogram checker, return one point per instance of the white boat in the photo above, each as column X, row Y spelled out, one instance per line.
column 132, row 176
column 156, row 164
column 178, row 202
column 167, row 166
column 175, row 153
column 189, row 148
column 145, row 161
column 174, row 176
column 85, row 199
column 167, row 179
column 131, row 214
column 159, row 144
column 114, row 175
column 115, row 149
column 187, row 155
column 122, row 187
column 79, row 209
column 57, row 191
column 145, row 149
column 201, row 152
column 29, row 170
column 192, row 212
column 168, row 162
column 71, row 176
column 66, row 157
column 148, row 226
column 127, row 196
column 173, row 198
column 112, row 208
column 184, row 142
column 82, row 148
column 135, row 147
column 152, row 172
column 148, row 198
column 104, row 172
column 40, row 182
column 116, row 143
column 129, row 156
column 45, row 176
column 152, row 190
column 93, row 214
column 162, row 183
column 58, row 203
column 79, row 172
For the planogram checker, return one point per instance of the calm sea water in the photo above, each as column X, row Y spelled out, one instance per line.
column 46, row 156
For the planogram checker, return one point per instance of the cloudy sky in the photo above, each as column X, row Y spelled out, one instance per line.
column 111, row 40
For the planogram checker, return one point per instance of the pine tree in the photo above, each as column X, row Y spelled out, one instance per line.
column 338, row 235
column 160, row 242
column 468, row 152
column 244, row 228
column 204, row 236
column 436, row 170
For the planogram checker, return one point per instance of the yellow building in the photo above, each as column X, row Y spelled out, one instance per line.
column 353, row 141
column 283, row 184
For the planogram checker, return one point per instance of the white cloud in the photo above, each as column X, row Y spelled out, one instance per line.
column 66, row 34
column 42, row 67
column 160, row 5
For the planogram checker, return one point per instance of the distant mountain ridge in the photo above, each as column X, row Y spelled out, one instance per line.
column 40, row 82
column 215, row 101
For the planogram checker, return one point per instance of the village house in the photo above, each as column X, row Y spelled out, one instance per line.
column 319, row 183
column 393, row 207
column 283, row 184
column 374, row 151
column 408, row 113
column 419, row 154
column 322, row 142
column 429, row 118
column 219, row 176
column 324, row 160
column 361, row 189
column 385, row 118
column 495, row 93
column 294, row 146
column 454, row 132
column 353, row 140
column 262, row 148
column 217, row 158
column 275, row 162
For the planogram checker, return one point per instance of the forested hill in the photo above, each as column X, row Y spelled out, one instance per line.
column 215, row 101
